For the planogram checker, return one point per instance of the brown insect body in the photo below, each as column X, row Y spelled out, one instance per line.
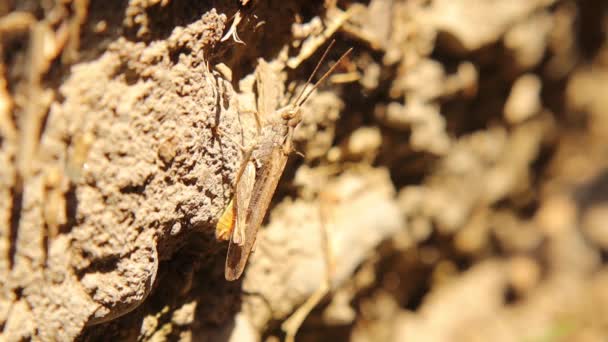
column 263, row 166
column 272, row 155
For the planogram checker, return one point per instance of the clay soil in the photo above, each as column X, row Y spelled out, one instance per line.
column 451, row 180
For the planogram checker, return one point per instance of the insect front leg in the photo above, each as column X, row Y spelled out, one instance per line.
column 288, row 142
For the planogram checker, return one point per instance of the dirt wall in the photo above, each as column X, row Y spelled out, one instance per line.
column 448, row 183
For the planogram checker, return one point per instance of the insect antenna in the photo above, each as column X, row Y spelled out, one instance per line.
column 315, row 70
column 316, row 85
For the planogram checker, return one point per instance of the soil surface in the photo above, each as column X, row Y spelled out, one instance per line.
column 450, row 181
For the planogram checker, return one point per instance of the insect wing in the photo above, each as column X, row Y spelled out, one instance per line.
column 261, row 196
column 243, row 196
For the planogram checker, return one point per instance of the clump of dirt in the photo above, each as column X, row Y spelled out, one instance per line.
column 449, row 184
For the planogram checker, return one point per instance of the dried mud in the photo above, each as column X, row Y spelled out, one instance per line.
column 454, row 168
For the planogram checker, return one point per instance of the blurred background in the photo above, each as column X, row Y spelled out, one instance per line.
column 451, row 183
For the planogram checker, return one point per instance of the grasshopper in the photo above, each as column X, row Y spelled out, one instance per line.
column 262, row 167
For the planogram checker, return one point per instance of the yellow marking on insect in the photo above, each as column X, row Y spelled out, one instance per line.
column 225, row 225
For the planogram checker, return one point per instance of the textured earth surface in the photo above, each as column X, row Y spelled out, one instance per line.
column 450, row 181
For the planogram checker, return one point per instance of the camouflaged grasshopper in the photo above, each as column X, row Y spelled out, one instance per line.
column 262, row 167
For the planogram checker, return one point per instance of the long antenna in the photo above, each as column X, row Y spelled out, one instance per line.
column 315, row 70
column 333, row 67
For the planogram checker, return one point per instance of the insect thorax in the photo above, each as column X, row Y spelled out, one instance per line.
column 272, row 136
